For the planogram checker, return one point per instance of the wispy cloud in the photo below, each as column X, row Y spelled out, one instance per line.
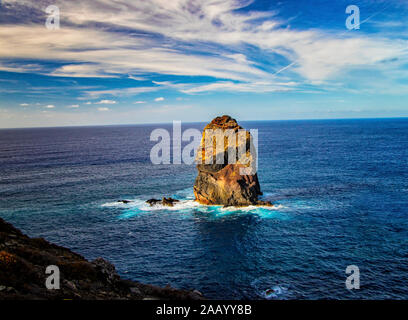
column 95, row 59
column 18, row 67
column 243, row 87
column 103, row 109
column 106, row 102
column 159, row 99
column 120, row 92
column 136, row 78
column 202, row 38
column 50, row 106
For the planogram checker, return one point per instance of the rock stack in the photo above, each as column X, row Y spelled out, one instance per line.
column 223, row 175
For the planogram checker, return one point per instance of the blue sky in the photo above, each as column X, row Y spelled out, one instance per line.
column 124, row 62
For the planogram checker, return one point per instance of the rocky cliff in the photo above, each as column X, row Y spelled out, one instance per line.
column 23, row 262
column 220, row 179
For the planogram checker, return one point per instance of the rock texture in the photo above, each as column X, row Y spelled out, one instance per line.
column 224, row 184
column 23, row 262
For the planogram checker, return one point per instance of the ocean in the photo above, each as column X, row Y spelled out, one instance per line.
column 340, row 189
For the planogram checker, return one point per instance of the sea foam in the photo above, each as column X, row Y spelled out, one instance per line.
column 139, row 206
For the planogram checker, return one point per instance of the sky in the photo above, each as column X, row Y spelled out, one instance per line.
column 152, row 61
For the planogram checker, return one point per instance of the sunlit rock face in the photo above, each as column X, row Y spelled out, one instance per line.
column 226, row 163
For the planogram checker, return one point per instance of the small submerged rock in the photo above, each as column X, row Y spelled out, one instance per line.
column 169, row 202
column 275, row 292
column 125, row 201
column 153, row 202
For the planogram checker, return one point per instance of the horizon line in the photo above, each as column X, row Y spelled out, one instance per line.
column 197, row 122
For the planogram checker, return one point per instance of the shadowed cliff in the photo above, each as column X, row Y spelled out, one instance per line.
column 23, row 262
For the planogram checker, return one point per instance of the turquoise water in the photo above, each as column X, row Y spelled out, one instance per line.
column 340, row 191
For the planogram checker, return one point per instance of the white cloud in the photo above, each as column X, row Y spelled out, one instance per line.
column 120, row 92
column 82, row 71
column 103, row 109
column 243, row 87
column 136, row 78
column 74, row 106
column 159, row 99
column 88, row 103
column 106, row 102
column 50, row 106
column 95, row 59
column 18, row 66
column 24, row 104
column 215, row 31
column 139, row 102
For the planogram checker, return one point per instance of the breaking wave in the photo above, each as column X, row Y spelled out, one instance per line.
column 187, row 205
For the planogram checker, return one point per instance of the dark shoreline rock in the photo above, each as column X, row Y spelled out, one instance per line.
column 23, row 262
column 223, row 184
column 169, row 202
column 125, row 201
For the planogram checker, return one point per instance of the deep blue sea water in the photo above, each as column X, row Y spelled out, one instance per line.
column 340, row 187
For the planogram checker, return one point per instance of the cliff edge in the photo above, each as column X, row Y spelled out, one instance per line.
column 23, row 263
